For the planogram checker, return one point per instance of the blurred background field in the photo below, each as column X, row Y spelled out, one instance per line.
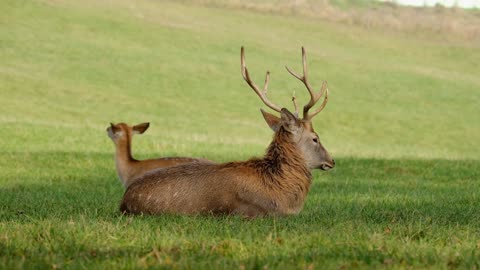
column 402, row 121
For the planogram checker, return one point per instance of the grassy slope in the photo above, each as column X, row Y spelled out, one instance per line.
column 402, row 122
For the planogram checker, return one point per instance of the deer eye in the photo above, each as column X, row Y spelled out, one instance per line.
column 315, row 140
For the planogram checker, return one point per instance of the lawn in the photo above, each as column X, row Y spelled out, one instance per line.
column 402, row 124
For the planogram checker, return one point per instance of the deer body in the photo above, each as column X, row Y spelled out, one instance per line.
column 276, row 184
column 129, row 168
column 271, row 185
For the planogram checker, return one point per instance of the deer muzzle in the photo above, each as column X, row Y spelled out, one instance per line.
column 325, row 166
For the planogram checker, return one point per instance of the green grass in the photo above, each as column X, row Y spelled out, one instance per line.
column 402, row 123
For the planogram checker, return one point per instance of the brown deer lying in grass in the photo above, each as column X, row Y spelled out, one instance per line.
column 128, row 168
column 276, row 184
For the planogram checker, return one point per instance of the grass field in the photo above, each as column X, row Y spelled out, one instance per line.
column 402, row 123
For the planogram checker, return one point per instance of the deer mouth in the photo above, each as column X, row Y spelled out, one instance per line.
column 326, row 166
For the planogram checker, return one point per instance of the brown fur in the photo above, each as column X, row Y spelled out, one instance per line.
column 276, row 184
column 129, row 168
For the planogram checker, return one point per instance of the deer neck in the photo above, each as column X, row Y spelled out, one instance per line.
column 123, row 159
column 283, row 159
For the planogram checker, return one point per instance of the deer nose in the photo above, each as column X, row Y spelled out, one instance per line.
column 333, row 162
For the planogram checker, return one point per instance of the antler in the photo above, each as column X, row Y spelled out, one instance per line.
column 294, row 100
column 261, row 94
column 314, row 97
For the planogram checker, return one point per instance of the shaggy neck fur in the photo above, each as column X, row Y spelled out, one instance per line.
column 283, row 162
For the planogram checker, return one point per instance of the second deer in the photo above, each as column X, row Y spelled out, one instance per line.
column 276, row 184
column 129, row 168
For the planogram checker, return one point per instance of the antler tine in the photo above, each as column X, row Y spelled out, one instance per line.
column 314, row 97
column 261, row 94
column 294, row 100
column 325, row 100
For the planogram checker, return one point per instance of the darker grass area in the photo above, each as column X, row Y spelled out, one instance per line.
column 372, row 190
column 364, row 213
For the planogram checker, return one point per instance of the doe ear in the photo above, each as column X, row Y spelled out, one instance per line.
column 273, row 121
column 289, row 121
column 114, row 128
column 140, row 128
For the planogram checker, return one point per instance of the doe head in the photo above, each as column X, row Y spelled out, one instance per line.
column 122, row 131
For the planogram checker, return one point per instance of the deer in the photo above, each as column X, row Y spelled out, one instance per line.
column 129, row 168
column 274, row 185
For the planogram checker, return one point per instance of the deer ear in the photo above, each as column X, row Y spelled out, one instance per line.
column 140, row 128
column 289, row 121
column 114, row 128
column 273, row 121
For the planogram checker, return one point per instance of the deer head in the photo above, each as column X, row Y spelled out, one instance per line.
column 306, row 139
column 122, row 131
